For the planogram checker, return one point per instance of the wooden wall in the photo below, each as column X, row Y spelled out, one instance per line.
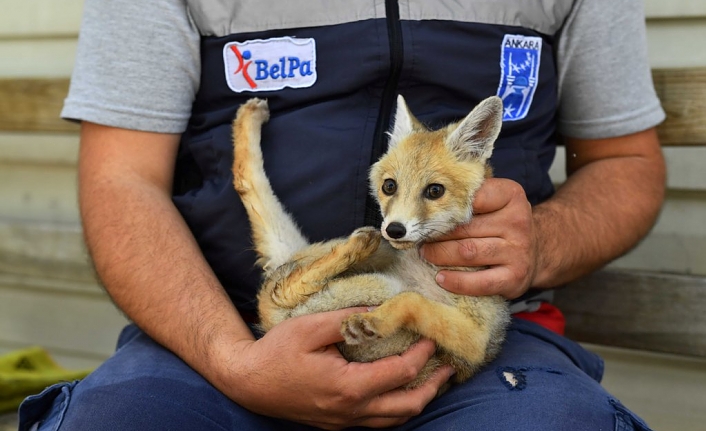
column 48, row 295
column 676, row 31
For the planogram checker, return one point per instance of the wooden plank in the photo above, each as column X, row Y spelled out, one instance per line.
column 639, row 310
column 675, row 9
column 75, row 324
column 45, row 149
column 683, row 96
column 40, row 58
column 677, row 242
column 28, row 104
column 685, row 166
column 676, row 43
column 40, row 18
column 676, row 252
column 44, row 251
column 40, row 193
column 33, row 104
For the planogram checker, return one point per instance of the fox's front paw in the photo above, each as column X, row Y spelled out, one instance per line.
column 365, row 240
column 359, row 328
column 366, row 230
column 285, row 298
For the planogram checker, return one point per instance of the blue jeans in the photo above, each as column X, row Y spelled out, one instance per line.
column 540, row 381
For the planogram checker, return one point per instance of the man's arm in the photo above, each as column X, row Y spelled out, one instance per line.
column 153, row 269
column 610, row 200
column 142, row 250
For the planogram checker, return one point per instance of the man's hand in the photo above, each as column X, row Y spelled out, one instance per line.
column 500, row 236
column 609, row 202
column 295, row 372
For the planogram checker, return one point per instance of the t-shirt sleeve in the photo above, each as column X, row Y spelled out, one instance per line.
column 137, row 65
column 605, row 84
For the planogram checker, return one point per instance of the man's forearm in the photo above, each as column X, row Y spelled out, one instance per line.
column 142, row 249
column 153, row 270
column 603, row 210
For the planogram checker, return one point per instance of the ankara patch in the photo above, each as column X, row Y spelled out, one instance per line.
column 519, row 74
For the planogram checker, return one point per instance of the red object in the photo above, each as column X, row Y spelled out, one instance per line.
column 548, row 316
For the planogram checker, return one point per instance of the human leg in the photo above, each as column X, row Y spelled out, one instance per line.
column 540, row 381
column 141, row 387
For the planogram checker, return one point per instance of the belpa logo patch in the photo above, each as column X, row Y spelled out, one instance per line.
column 270, row 64
column 519, row 67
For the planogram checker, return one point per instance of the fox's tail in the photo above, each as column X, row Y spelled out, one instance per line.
column 275, row 234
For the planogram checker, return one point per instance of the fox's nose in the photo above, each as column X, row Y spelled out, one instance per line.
column 396, row 230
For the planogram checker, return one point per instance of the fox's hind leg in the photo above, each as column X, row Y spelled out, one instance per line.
column 275, row 234
column 321, row 263
column 247, row 158
column 453, row 330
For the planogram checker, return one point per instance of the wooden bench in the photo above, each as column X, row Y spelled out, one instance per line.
column 638, row 310
column 635, row 309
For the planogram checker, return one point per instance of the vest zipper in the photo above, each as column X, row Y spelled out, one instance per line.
column 389, row 96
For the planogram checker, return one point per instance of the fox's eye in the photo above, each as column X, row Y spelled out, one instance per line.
column 389, row 187
column 434, row 191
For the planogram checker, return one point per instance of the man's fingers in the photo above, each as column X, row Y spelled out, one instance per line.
column 492, row 281
column 390, row 373
column 408, row 403
column 468, row 252
column 322, row 329
column 364, row 384
column 495, row 194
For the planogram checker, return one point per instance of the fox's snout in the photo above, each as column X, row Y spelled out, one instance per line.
column 399, row 236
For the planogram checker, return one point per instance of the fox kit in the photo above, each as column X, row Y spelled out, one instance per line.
column 425, row 185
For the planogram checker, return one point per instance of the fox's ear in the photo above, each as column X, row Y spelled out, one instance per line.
column 404, row 122
column 475, row 135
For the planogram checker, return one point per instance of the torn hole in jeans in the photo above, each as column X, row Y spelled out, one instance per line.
column 515, row 379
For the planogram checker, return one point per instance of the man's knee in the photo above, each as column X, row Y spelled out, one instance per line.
column 529, row 398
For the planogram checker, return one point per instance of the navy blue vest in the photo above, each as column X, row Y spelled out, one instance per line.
column 321, row 140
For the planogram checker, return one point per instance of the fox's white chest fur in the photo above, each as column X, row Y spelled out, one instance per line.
column 415, row 276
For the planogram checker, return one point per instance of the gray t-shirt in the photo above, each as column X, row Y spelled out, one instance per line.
column 138, row 62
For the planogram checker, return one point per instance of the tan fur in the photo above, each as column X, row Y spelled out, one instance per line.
column 365, row 269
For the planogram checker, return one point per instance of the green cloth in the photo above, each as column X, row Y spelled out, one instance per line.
column 27, row 372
